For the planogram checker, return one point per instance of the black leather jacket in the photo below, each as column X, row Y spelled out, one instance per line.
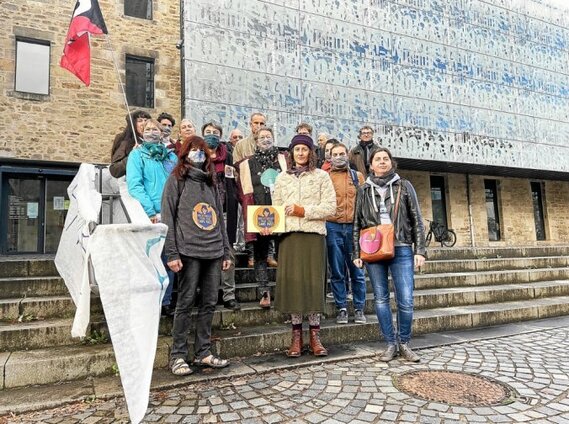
column 409, row 225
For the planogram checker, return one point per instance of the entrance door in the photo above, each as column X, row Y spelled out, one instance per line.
column 33, row 213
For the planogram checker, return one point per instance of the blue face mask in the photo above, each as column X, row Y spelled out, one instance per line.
column 212, row 140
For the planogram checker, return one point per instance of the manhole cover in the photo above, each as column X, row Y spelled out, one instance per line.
column 454, row 388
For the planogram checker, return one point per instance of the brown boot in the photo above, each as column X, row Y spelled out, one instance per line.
column 295, row 349
column 316, row 347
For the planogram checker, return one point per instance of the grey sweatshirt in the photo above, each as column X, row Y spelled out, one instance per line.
column 196, row 227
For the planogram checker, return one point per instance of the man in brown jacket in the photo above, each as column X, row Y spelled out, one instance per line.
column 339, row 237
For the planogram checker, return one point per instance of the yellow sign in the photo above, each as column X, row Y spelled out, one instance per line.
column 265, row 216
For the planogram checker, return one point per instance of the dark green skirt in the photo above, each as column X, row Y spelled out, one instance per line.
column 301, row 274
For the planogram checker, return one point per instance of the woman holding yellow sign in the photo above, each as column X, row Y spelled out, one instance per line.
column 308, row 196
column 256, row 182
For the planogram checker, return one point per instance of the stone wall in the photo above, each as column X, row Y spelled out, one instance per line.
column 515, row 204
column 77, row 123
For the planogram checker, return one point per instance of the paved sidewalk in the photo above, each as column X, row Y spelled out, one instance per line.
column 531, row 358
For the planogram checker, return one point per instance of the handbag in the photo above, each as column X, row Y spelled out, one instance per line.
column 377, row 243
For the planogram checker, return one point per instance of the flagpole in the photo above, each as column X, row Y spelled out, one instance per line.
column 108, row 38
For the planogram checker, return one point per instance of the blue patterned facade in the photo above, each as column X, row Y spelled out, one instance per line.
column 469, row 81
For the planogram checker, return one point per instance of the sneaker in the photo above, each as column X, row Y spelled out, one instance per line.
column 330, row 295
column 407, row 354
column 350, row 296
column 389, row 353
column 342, row 317
column 359, row 317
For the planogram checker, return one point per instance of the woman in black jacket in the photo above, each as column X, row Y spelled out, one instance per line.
column 375, row 204
column 197, row 249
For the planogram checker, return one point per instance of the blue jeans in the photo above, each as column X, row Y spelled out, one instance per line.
column 340, row 245
column 401, row 268
column 168, row 294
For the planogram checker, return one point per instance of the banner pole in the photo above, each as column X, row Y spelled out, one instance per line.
column 108, row 38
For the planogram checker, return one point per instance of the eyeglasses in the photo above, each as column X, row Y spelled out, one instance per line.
column 237, row 137
column 366, row 133
column 265, row 138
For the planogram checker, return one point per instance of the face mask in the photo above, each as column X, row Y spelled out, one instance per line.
column 166, row 132
column 212, row 140
column 151, row 136
column 265, row 144
column 340, row 162
column 196, row 157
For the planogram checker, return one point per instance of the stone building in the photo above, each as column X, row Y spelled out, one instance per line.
column 52, row 122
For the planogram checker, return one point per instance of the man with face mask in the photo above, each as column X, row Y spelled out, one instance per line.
column 227, row 190
column 257, row 176
column 339, row 236
column 326, row 165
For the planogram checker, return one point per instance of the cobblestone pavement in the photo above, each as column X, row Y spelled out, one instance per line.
column 535, row 365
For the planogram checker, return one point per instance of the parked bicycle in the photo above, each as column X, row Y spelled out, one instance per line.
column 445, row 236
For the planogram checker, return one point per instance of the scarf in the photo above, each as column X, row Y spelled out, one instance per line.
column 384, row 179
column 157, row 151
column 200, row 176
column 220, row 157
column 298, row 170
column 266, row 158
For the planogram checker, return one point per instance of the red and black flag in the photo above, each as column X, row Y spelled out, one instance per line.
column 87, row 19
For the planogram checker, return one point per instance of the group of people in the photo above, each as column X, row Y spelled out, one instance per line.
column 202, row 187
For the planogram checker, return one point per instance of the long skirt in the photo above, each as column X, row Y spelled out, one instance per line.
column 301, row 274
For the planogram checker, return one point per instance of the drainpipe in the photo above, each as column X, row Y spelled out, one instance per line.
column 181, row 46
column 470, row 219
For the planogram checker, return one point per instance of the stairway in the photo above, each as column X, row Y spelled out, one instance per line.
column 458, row 288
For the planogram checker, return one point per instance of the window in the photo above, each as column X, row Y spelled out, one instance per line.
column 538, row 215
column 32, row 66
column 438, row 199
column 138, row 8
column 140, row 81
column 492, row 209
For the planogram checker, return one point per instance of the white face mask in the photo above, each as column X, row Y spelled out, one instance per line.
column 265, row 143
column 196, row 157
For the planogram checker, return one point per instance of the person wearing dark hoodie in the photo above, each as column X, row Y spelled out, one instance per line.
column 197, row 249
column 125, row 141
column 376, row 203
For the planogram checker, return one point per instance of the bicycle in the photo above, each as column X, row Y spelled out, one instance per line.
column 445, row 236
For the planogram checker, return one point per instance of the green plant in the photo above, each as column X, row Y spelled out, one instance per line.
column 115, row 370
column 96, row 337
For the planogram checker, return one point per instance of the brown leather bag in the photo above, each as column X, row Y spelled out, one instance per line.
column 377, row 243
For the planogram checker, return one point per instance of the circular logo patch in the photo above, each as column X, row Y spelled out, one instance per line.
column 266, row 217
column 204, row 216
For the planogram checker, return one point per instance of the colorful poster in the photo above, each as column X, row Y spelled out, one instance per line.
column 261, row 217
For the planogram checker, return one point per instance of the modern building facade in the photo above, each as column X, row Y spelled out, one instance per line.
column 52, row 122
column 471, row 96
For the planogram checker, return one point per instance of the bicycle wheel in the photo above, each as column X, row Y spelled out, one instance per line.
column 428, row 238
column 450, row 239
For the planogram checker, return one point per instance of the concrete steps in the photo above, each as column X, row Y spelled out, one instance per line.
column 457, row 289
column 53, row 365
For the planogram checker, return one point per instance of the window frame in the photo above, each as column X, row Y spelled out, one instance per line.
column 30, row 40
column 147, row 60
column 150, row 3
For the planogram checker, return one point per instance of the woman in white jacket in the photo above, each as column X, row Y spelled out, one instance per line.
column 308, row 196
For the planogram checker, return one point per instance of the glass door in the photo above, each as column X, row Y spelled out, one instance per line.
column 492, row 209
column 24, row 233
column 538, row 215
column 56, row 205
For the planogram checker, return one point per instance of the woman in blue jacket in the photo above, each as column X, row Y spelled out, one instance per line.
column 147, row 170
